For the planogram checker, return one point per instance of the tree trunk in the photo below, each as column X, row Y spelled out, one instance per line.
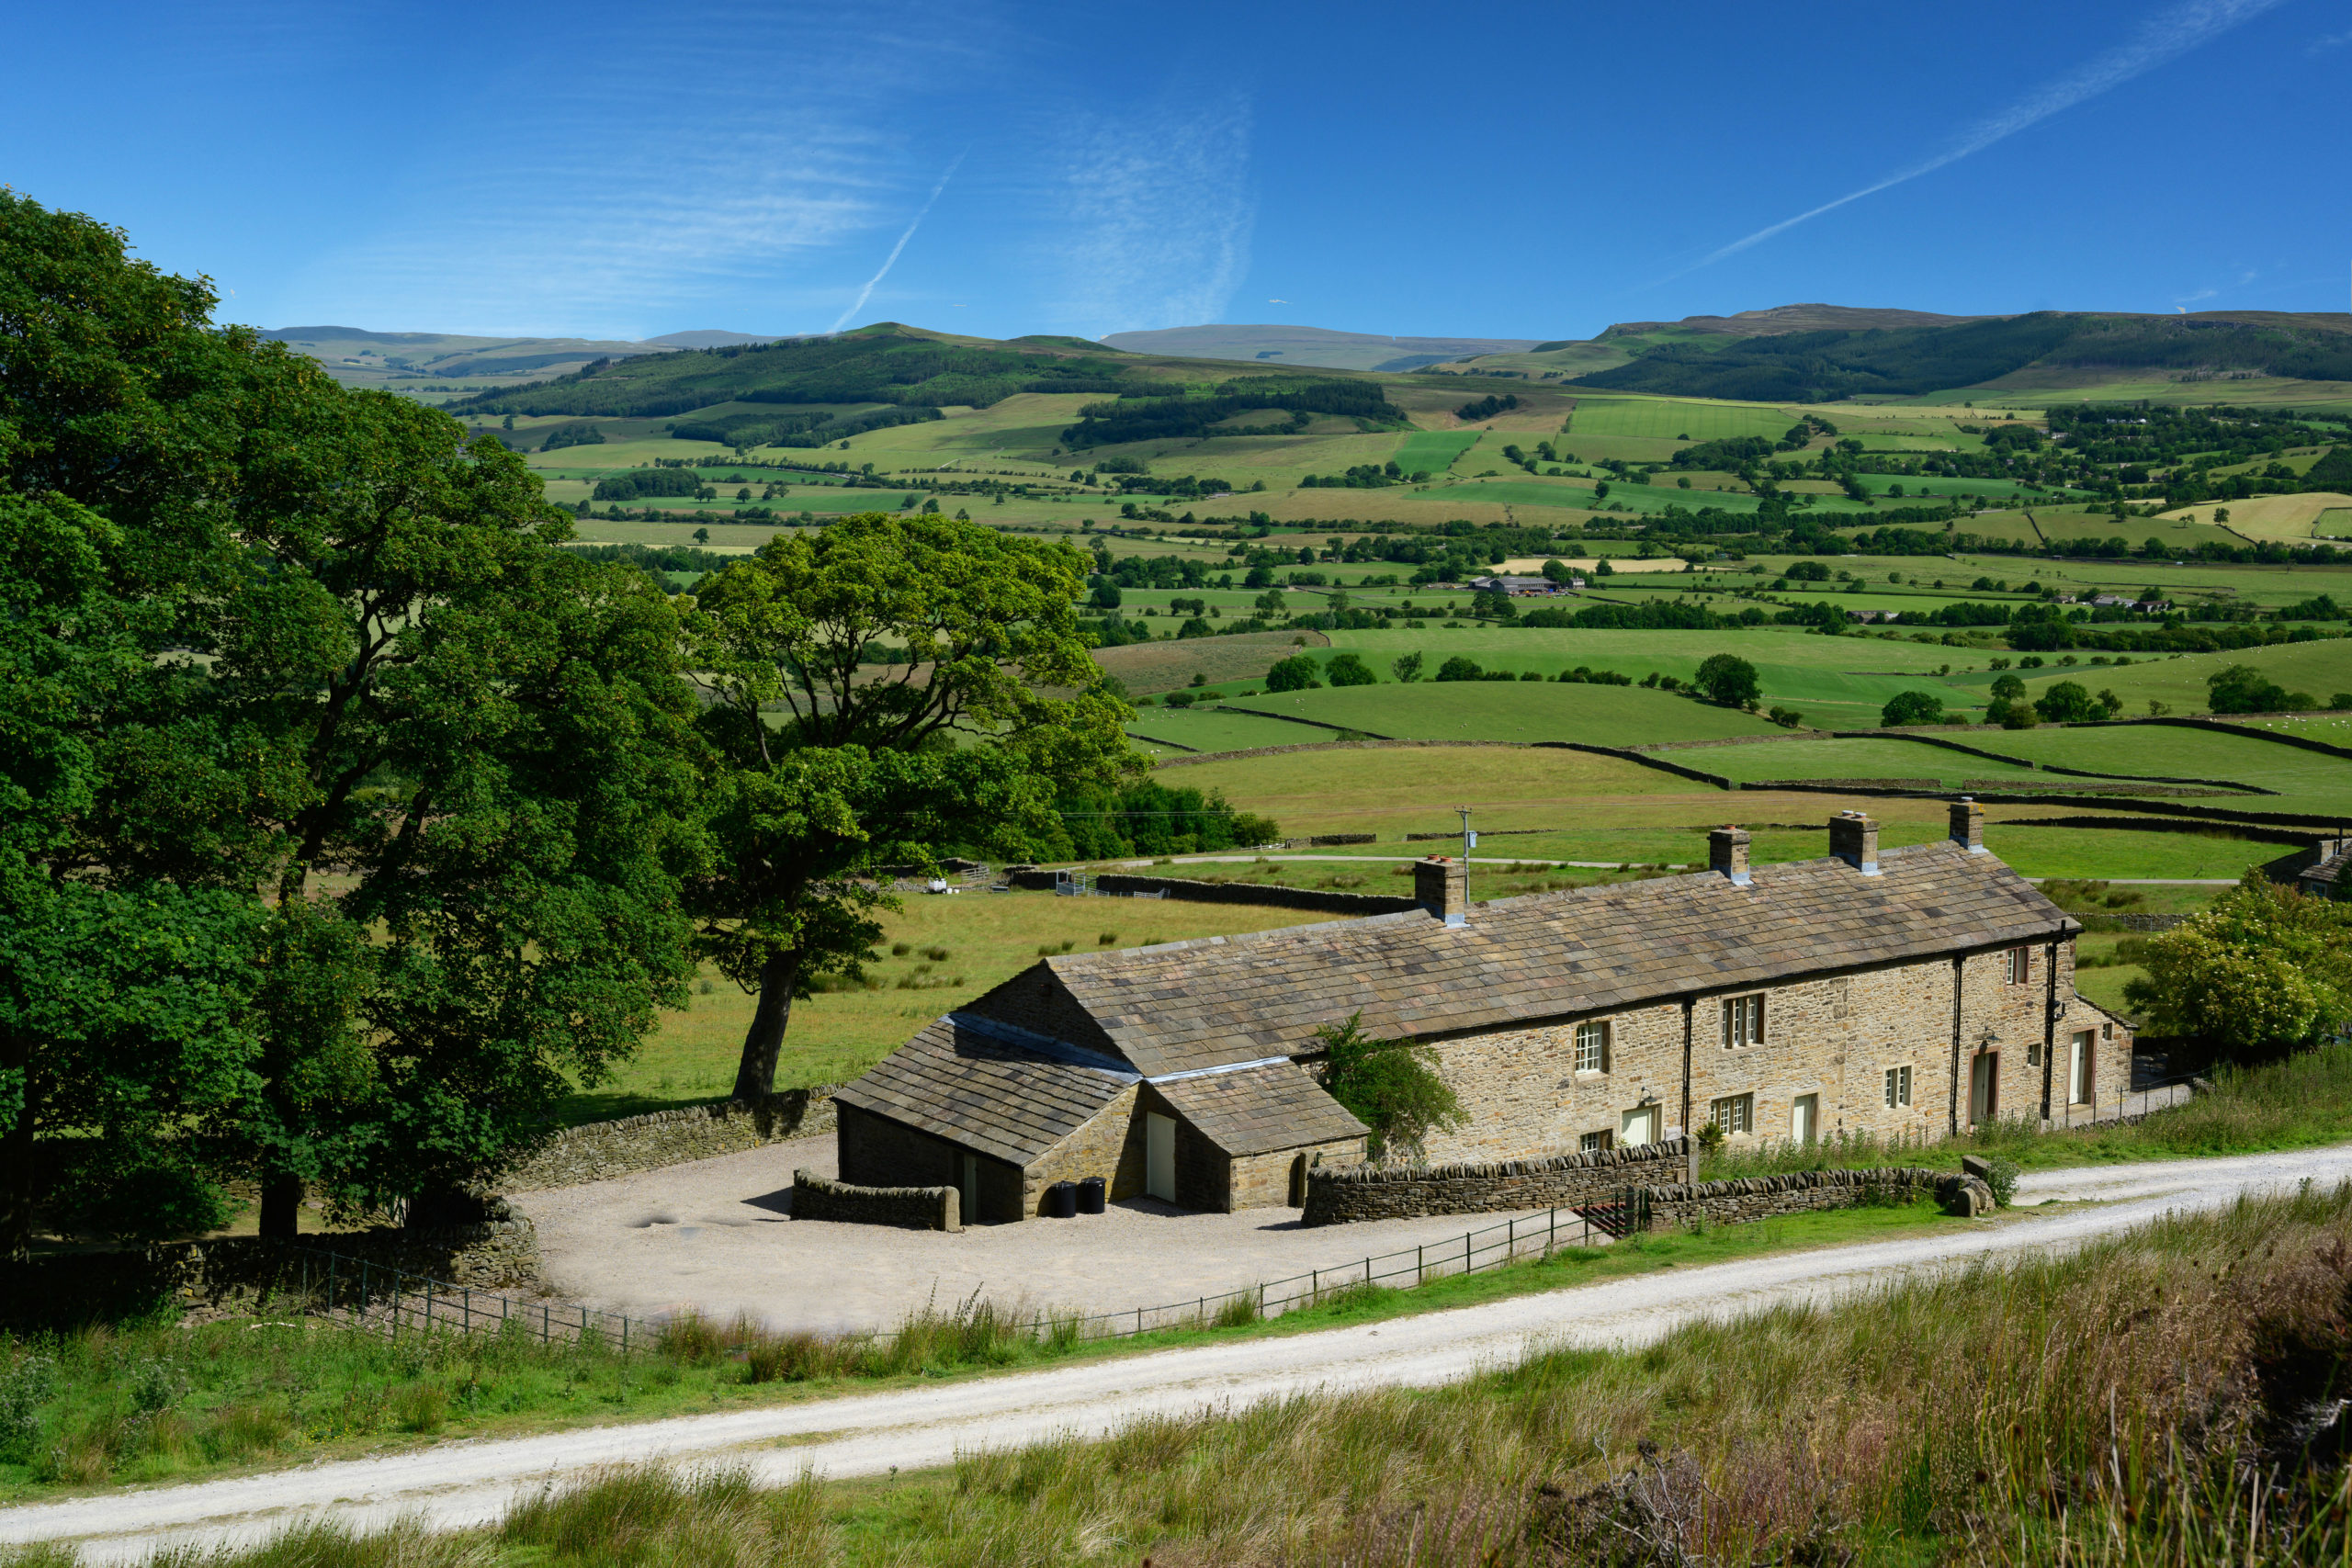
column 16, row 1166
column 755, row 1079
column 281, row 1202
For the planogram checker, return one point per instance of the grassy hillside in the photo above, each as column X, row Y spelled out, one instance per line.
column 1814, row 366
column 1310, row 346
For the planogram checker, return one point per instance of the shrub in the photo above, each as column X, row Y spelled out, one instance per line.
column 2001, row 1176
column 1349, row 670
column 1391, row 1085
column 1461, row 666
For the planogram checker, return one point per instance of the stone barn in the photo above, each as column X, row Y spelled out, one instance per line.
column 1909, row 994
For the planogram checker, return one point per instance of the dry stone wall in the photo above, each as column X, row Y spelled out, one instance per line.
column 1761, row 1197
column 816, row 1197
column 1372, row 1192
column 599, row 1151
column 240, row 1272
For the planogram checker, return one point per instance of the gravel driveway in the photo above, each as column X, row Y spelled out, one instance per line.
column 717, row 1235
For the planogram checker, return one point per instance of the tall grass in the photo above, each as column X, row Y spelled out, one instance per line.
column 2303, row 1100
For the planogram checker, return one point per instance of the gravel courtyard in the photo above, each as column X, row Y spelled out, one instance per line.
column 718, row 1235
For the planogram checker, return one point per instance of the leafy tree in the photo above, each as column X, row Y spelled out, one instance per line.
column 1730, row 680
column 1787, row 718
column 1461, row 666
column 2008, row 687
column 1911, row 708
column 2241, row 688
column 2264, row 969
column 965, row 745
column 1349, row 669
column 1106, row 595
column 1296, row 673
column 1493, row 604
column 2068, row 701
column 1407, row 667
column 1391, row 1085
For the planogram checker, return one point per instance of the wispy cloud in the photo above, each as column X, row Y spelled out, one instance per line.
column 892, row 259
column 2333, row 41
column 544, row 221
column 2164, row 37
column 1160, row 213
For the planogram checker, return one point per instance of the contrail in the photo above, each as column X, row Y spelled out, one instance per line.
column 891, row 260
column 2164, row 38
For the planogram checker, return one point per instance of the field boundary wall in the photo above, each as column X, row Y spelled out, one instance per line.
column 817, row 1197
column 1347, row 1193
column 598, row 1150
column 66, row 1290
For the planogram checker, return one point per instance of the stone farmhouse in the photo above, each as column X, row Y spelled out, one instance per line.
column 1910, row 993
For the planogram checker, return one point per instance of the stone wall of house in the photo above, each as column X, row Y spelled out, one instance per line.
column 816, row 1197
column 599, row 1151
column 875, row 1151
column 1279, row 1179
column 240, row 1273
column 1761, row 1197
column 1109, row 1145
column 1372, row 1192
column 1833, row 1039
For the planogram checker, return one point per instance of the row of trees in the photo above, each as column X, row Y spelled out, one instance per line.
column 345, row 821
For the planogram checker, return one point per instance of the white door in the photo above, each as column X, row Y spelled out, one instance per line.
column 1803, row 1118
column 1160, row 1156
column 2078, row 1071
column 1639, row 1127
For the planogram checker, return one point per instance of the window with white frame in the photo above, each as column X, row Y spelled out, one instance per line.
column 2019, row 966
column 1744, row 1022
column 1592, row 1047
column 1733, row 1113
column 1593, row 1141
column 1898, row 1087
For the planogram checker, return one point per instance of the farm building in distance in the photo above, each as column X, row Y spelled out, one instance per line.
column 1911, row 993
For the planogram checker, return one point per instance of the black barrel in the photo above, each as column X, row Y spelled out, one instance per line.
column 1061, row 1201
column 1090, row 1195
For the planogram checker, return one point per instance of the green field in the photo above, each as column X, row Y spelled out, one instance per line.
column 2319, row 669
column 1677, row 420
column 1484, row 710
column 1435, row 450
column 1209, row 730
column 2302, row 781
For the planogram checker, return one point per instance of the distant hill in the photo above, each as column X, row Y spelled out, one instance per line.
column 1779, row 319
column 1316, row 346
column 2045, row 350
column 354, row 354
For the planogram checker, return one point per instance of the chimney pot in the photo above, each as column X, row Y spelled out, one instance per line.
column 1853, row 838
column 1968, row 825
column 1442, row 886
column 1727, row 853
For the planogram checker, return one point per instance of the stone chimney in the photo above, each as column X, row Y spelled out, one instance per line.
column 1853, row 838
column 1442, row 886
column 1968, row 825
column 1727, row 853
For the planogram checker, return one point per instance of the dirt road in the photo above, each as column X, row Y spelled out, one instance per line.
column 462, row 1484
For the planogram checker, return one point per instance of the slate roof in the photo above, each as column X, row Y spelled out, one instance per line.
column 2332, row 868
column 1256, row 1111
column 986, row 1087
column 1185, row 1006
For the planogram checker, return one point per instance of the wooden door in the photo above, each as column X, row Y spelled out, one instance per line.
column 1984, row 1086
column 1805, row 1118
column 1639, row 1127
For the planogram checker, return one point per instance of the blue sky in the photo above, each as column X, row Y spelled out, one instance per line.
column 997, row 168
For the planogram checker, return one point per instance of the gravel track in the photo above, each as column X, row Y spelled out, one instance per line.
column 456, row 1485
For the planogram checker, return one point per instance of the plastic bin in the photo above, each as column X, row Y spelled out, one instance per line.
column 1061, row 1200
column 1090, row 1195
